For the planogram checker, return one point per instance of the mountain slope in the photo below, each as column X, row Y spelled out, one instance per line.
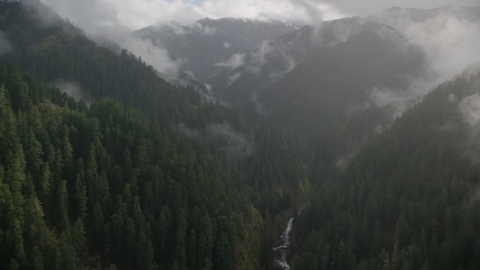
column 309, row 83
column 408, row 200
column 273, row 60
column 333, row 80
column 206, row 45
column 156, row 135
column 324, row 101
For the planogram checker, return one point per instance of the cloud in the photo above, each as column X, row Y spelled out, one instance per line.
column 104, row 23
column 234, row 143
column 70, row 88
column 151, row 53
column 5, row 45
column 45, row 17
column 449, row 39
column 369, row 7
column 190, row 133
column 137, row 14
column 315, row 11
column 234, row 77
column 206, row 31
column 469, row 108
column 258, row 58
column 399, row 100
column 342, row 161
column 227, row 45
column 235, row 61
column 174, row 27
column 104, row 17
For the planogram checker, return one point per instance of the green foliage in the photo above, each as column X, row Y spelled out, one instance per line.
column 406, row 200
column 106, row 184
column 113, row 183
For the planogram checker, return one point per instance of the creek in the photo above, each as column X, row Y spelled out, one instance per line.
column 282, row 245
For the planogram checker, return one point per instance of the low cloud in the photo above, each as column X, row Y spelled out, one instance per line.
column 258, row 58
column 205, row 31
column 5, row 45
column 72, row 89
column 399, row 100
column 152, row 54
column 469, row 108
column 234, row 77
column 235, row 61
column 45, row 17
column 102, row 22
column 342, row 161
column 172, row 26
column 450, row 42
column 234, row 143
column 141, row 13
column 449, row 39
column 368, row 7
column 190, row 133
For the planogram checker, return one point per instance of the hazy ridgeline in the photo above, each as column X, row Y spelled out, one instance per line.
column 368, row 125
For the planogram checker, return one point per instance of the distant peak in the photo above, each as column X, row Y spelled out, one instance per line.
column 398, row 9
column 207, row 19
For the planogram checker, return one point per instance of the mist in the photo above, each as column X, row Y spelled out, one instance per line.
column 72, row 89
column 5, row 45
column 101, row 22
column 448, row 37
column 235, row 61
column 150, row 53
column 232, row 142
column 469, row 108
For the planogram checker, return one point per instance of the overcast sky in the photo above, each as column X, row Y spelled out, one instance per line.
column 135, row 14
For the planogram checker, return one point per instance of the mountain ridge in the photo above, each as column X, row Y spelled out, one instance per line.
column 204, row 44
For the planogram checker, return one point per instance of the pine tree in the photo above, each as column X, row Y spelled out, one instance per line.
column 224, row 253
column 192, row 251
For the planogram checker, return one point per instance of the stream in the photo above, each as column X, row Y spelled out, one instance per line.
column 282, row 246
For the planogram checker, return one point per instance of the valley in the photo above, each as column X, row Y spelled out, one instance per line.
column 197, row 148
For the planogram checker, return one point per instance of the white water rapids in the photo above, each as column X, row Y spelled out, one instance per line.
column 282, row 245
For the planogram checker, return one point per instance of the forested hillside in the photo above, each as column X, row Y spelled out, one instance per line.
column 145, row 175
column 315, row 85
column 106, row 186
column 105, row 165
column 409, row 199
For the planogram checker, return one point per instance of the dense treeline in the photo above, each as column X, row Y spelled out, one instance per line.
column 407, row 201
column 115, row 184
column 51, row 49
column 105, row 185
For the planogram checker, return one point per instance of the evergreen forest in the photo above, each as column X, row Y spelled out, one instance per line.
column 106, row 165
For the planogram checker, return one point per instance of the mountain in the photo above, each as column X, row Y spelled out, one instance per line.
column 310, row 84
column 142, row 175
column 207, row 46
column 270, row 64
column 105, row 165
column 402, row 17
column 409, row 199
column 335, row 82
column 274, row 59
